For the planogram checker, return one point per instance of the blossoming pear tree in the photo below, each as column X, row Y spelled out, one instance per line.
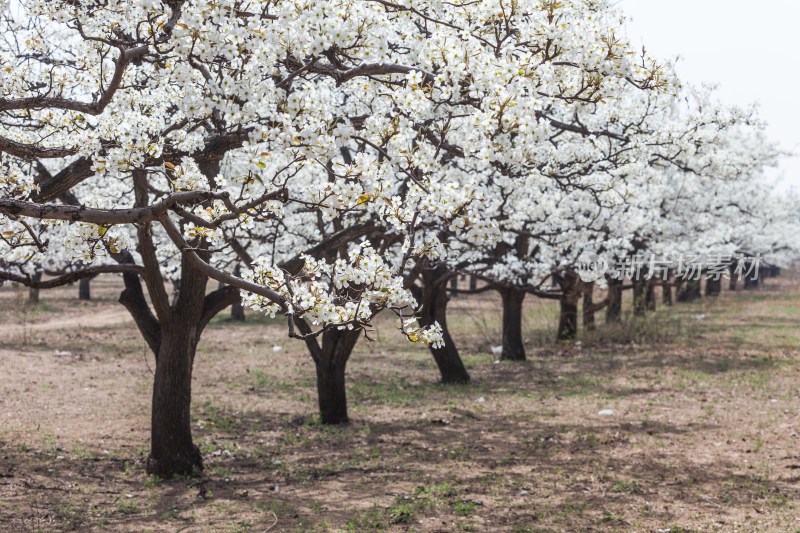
column 142, row 137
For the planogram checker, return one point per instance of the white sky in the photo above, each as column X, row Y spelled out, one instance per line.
column 747, row 47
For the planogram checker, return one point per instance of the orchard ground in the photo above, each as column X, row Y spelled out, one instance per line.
column 699, row 432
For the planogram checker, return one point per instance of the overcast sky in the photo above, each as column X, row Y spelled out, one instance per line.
column 749, row 48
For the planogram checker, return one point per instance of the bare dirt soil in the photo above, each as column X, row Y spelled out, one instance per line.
column 687, row 421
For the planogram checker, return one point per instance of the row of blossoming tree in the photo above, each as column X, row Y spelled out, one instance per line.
column 330, row 161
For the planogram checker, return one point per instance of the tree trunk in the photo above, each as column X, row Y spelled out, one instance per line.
column 666, row 292
column 33, row 293
column 690, row 291
column 454, row 286
column 713, row 286
column 337, row 346
column 237, row 311
column 84, row 289
column 733, row 284
column 473, row 283
column 614, row 309
column 588, row 307
column 434, row 310
column 172, row 451
column 639, row 297
column 568, row 315
column 513, row 345
column 650, row 295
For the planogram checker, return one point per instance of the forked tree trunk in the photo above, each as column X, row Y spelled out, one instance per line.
column 614, row 309
column 588, row 307
column 172, row 451
column 331, row 362
column 513, row 345
column 85, row 289
column 434, row 310
column 568, row 315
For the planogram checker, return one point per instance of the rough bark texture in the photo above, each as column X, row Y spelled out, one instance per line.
column 434, row 309
column 568, row 315
column 331, row 362
column 614, row 309
column 172, row 451
column 85, row 289
column 513, row 344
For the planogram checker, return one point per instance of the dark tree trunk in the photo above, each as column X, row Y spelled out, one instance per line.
column 85, row 290
column 568, row 314
column 690, row 291
column 733, row 284
column 454, row 286
column 513, row 345
column 237, row 311
column 172, row 451
column 666, row 292
column 588, row 307
column 337, row 346
column 714, row 286
column 679, row 283
column 752, row 280
column 473, row 283
column 650, row 295
column 434, row 310
column 614, row 309
column 33, row 293
column 639, row 297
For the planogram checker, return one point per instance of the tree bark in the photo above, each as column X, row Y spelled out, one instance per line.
column 434, row 310
column 568, row 315
column 331, row 362
column 172, row 451
column 513, row 344
column 33, row 293
column 85, row 290
column 454, row 286
column 588, row 307
column 713, row 286
column 690, row 291
column 639, row 297
column 237, row 312
column 614, row 309
column 331, row 359
column 666, row 292
column 650, row 295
